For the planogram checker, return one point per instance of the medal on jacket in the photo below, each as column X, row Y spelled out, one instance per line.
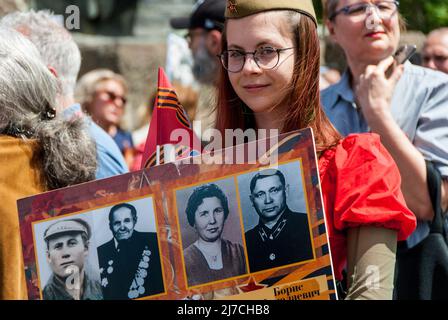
column 137, row 286
column 106, row 270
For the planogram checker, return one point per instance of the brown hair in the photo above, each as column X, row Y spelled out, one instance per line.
column 302, row 95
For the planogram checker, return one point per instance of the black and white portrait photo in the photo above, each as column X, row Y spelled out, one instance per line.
column 128, row 252
column 107, row 253
column 68, row 264
column 211, row 232
column 275, row 217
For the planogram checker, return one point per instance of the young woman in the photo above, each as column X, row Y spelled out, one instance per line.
column 270, row 79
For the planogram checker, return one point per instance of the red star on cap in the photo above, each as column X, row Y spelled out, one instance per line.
column 252, row 285
column 232, row 6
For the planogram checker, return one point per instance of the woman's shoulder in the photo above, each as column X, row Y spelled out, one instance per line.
column 364, row 186
column 359, row 146
column 20, row 157
column 190, row 250
column 358, row 157
column 365, row 141
column 8, row 143
column 191, row 254
column 231, row 246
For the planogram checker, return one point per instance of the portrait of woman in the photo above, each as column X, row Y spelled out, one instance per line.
column 211, row 257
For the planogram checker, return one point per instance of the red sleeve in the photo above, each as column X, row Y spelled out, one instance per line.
column 368, row 187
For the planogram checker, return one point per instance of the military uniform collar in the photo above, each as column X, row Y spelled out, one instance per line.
column 267, row 234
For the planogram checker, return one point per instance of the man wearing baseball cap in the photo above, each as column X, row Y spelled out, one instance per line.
column 205, row 26
column 67, row 244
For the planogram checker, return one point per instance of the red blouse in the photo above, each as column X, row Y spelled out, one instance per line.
column 361, row 186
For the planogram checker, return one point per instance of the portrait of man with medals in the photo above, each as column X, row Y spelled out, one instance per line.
column 130, row 262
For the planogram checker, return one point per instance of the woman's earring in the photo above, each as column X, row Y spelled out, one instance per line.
column 50, row 113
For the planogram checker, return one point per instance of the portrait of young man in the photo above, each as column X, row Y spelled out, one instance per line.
column 67, row 248
column 281, row 236
column 130, row 264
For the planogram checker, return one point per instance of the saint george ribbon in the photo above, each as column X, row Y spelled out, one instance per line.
column 170, row 129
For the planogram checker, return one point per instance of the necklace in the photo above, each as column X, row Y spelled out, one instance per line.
column 214, row 259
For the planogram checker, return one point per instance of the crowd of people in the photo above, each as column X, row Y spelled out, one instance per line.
column 376, row 125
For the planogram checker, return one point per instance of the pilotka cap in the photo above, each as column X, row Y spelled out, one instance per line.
column 243, row 8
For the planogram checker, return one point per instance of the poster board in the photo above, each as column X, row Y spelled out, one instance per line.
column 161, row 248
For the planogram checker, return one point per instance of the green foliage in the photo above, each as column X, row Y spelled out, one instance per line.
column 423, row 15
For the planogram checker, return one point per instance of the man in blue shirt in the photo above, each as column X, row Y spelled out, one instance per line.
column 62, row 55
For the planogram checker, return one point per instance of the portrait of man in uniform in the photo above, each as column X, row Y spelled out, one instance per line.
column 67, row 249
column 282, row 236
column 129, row 263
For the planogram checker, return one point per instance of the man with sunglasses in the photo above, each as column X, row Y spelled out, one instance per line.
column 435, row 50
column 282, row 236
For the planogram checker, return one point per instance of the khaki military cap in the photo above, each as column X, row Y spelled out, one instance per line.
column 242, row 8
column 66, row 226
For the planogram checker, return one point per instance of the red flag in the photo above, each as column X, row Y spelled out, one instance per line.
column 168, row 115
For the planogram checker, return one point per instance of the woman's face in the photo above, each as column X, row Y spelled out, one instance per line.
column 107, row 107
column 367, row 37
column 258, row 88
column 209, row 219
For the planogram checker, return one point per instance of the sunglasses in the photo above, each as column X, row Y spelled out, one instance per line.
column 113, row 97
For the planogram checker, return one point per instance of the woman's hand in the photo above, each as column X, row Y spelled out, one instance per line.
column 375, row 90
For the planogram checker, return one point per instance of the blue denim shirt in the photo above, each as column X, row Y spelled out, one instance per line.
column 110, row 159
column 419, row 106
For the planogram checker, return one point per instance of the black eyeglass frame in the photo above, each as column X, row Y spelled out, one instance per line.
column 245, row 53
column 346, row 9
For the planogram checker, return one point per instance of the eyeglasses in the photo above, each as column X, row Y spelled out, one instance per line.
column 385, row 10
column 265, row 57
column 110, row 96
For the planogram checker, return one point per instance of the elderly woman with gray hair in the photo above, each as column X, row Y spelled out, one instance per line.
column 39, row 149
